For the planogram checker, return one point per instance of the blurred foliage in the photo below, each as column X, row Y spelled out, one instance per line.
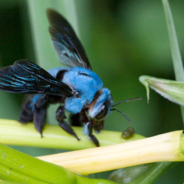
column 123, row 40
column 141, row 174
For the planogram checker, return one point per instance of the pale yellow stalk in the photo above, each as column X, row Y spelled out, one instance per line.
column 14, row 133
column 165, row 147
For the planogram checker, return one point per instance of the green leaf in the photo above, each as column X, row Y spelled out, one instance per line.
column 172, row 90
column 7, row 182
column 129, row 174
column 19, row 167
column 176, row 56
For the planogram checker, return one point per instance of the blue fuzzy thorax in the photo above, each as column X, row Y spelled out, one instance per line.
column 86, row 82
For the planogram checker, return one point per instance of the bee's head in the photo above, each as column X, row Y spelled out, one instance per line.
column 101, row 105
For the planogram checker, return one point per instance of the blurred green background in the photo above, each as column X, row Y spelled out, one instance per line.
column 123, row 40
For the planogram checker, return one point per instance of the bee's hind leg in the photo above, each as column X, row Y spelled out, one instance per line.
column 26, row 114
column 35, row 112
column 60, row 116
column 40, row 112
column 39, row 116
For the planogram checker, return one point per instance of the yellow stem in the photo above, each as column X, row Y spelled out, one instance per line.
column 165, row 147
column 14, row 133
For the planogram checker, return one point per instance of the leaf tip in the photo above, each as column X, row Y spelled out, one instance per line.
column 143, row 80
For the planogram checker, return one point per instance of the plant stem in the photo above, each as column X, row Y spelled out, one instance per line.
column 15, row 133
column 164, row 147
column 159, row 148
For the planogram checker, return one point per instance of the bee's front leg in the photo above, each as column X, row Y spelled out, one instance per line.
column 92, row 137
column 78, row 119
column 60, row 116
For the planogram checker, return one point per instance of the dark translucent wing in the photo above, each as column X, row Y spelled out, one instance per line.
column 27, row 77
column 66, row 44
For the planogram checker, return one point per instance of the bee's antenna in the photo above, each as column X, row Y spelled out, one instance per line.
column 122, row 114
column 133, row 99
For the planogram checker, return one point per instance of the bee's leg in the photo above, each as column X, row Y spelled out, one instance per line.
column 92, row 137
column 78, row 119
column 75, row 120
column 88, row 128
column 26, row 114
column 39, row 113
column 39, row 117
column 60, row 116
column 97, row 125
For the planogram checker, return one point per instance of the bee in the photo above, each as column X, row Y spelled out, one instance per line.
column 76, row 87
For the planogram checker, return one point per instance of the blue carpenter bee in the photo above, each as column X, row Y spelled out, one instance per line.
column 76, row 86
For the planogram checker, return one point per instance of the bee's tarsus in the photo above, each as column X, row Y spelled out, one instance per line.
column 41, row 135
column 91, row 136
column 94, row 140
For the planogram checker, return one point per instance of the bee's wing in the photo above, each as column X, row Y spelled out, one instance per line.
column 27, row 77
column 69, row 50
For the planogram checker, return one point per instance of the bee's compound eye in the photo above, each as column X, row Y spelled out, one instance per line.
column 103, row 111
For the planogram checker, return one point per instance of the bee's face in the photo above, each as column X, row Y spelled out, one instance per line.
column 101, row 106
